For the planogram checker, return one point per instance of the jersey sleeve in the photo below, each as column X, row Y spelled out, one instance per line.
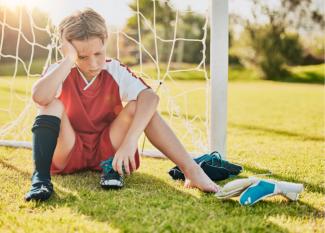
column 49, row 70
column 129, row 84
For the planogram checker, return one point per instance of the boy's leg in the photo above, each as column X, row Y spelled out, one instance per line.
column 46, row 131
column 163, row 138
column 65, row 144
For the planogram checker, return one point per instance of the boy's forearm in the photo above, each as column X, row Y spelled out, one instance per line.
column 147, row 103
column 44, row 90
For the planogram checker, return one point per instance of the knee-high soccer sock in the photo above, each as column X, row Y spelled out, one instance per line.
column 45, row 133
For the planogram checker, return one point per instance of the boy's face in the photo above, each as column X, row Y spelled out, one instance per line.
column 91, row 56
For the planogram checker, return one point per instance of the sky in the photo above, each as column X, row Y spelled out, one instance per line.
column 117, row 11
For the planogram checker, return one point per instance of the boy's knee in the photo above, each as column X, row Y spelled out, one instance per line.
column 54, row 108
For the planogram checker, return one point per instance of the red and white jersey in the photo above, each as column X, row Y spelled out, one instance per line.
column 92, row 106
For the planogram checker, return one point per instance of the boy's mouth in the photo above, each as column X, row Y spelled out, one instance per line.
column 94, row 71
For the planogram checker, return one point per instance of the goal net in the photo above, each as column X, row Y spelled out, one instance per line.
column 166, row 46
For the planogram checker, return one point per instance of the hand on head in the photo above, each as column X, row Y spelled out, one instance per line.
column 68, row 50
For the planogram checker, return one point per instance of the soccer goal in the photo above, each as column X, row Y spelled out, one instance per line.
column 181, row 54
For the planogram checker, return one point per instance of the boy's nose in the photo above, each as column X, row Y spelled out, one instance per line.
column 92, row 64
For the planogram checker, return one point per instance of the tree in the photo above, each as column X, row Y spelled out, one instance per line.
column 190, row 26
column 277, row 43
column 164, row 18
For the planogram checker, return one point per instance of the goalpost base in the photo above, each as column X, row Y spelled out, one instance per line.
column 28, row 145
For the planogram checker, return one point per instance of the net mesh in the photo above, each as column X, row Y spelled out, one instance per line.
column 183, row 88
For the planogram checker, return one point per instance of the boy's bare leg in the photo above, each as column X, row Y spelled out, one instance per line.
column 163, row 138
column 66, row 141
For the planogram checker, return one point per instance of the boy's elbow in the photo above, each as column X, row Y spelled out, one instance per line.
column 40, row 101
column 40, row 98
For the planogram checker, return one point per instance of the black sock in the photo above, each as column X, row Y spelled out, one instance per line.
column 45, row 133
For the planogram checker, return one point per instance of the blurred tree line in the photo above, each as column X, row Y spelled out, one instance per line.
column 190, row 26
column 270, row 46
column 276, row 44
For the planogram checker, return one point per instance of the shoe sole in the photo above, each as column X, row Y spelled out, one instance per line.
column 111, row 187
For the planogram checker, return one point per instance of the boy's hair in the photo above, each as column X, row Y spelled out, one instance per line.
column 83, row 25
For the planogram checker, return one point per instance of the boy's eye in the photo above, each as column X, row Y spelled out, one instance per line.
column 82, row 58
column 98, row 54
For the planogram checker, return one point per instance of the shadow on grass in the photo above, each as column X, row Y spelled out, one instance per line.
column 277, row 131
column 305, row 77
column 309, row 186
column 149, row 204
column 256, row 128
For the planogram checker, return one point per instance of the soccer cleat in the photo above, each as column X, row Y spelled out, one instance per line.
column 215, row 173
column 176, row 173
column 213, row 165
column 109, row 178
column 214, row 159
column 41, row 189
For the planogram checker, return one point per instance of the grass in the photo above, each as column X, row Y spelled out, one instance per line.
column 235, row 73
column 8, row 68
column 307, row 74
column 271, row 126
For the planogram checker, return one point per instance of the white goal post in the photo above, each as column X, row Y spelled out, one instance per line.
column 219, row 75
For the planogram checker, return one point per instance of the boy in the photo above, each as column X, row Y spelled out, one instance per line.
column 81, row 122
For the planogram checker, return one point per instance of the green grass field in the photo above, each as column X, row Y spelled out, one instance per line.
column 272, row 126
column 299, row 74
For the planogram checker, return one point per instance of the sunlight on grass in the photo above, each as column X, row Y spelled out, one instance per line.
column 272, row 126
